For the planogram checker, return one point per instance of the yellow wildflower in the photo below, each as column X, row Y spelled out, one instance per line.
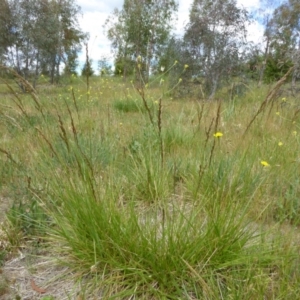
column 218, row 134
column 283, row 99
column 264, row 163
column 280, row 144
column 277, row 113
column 186, row 66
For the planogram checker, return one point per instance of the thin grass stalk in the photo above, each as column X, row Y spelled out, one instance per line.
column 12, row 121
column 141, row 92
column 87, row 61
column 211, row 153
column 206, row 289
column 218, row 116
column 200, row 177
column 63, row 133
column 75, row 104
column 216, row 129
column 295, row 115
column 8, row 155
column 91, row 177
column 18, row 103
column 29, row 88
column 159, row 126
column 48, row 142
column 269, row 98
column 140, row 76
column 270, row 109
column 72, row 123
column 208, row 132
column 200, row 110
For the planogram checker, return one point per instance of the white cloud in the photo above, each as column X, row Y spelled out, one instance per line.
column 249, row 4
column 98, row 45
column 100, row 6
column 255, row 32
column 183, row 16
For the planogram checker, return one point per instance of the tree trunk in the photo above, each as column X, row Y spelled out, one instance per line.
column 52, row 72
column 214, row 87
column 36, row 75
column 262, row 71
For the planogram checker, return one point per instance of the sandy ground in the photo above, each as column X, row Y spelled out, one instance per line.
column 29, row 276
column 33, row 278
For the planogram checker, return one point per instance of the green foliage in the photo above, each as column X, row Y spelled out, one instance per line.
column 283, row 40
column 140, row 29
column 214, row 40
column 275, row 68
column 124, row 66
column 129, row 105
column 104, row 67
column 72, row 63
column 87, row 69
column 42, row 35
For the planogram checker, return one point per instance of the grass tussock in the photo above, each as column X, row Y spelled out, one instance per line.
column 176, row 200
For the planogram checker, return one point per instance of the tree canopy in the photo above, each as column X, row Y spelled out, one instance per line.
column 39, row 36
column 140, row 29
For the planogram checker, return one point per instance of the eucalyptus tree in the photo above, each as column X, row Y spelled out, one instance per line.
column 6, row 27
column 59, row 37
column 263, row 16
column 139, row 30
column 215, row 36
column 104, row 66
column 42, row 35
column 283, row 31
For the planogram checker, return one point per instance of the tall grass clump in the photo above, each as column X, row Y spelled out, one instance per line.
column 129, row 105
column 168, row 211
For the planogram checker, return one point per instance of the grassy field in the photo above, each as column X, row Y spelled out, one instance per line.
column 142, row 196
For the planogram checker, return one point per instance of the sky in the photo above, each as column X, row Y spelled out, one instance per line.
column 95, row 13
